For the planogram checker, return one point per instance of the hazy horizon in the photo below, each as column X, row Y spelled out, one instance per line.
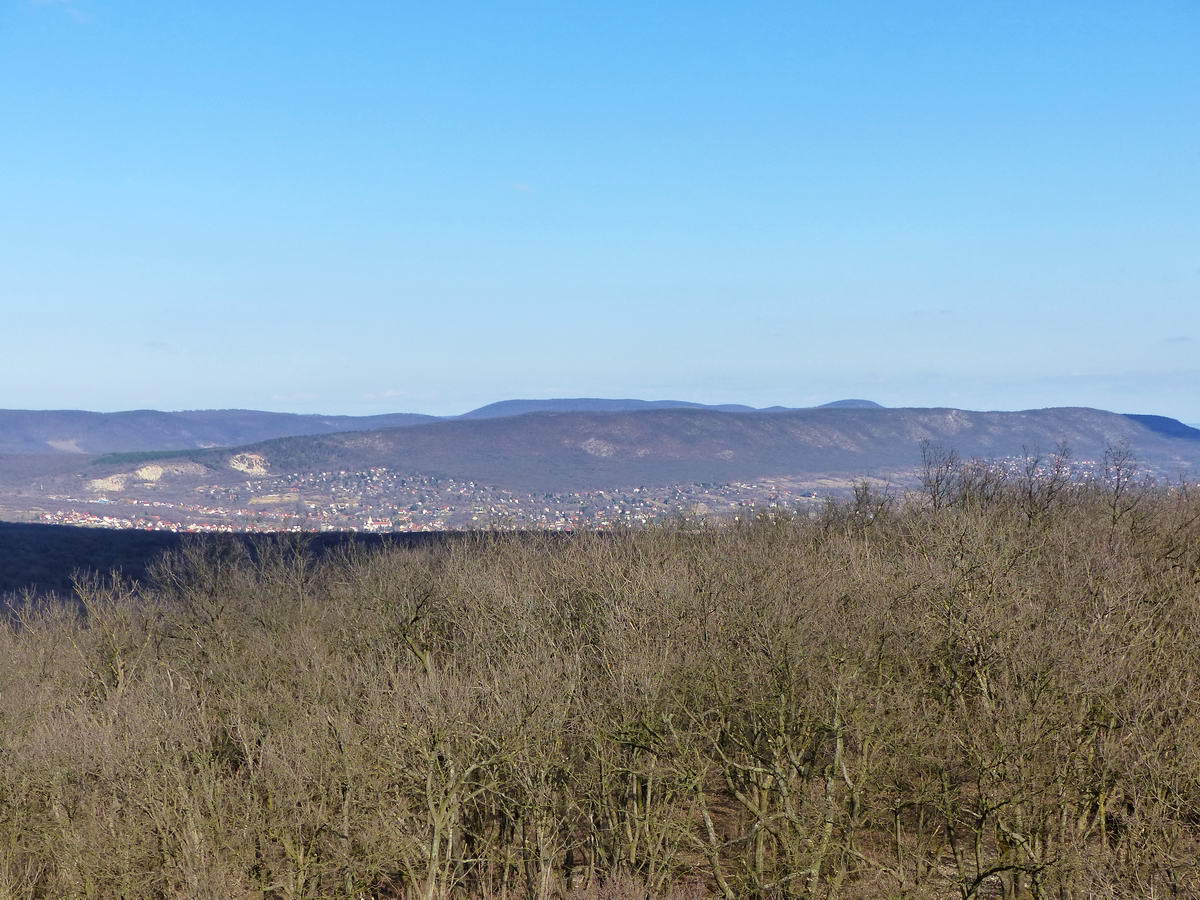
column 450, row 413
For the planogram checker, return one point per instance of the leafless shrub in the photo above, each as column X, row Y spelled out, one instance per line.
column 987, row 694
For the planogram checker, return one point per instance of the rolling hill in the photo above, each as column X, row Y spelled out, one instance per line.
column 556, row 451
column 81, row 432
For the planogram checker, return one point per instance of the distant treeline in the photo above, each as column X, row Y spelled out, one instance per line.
column 987, row 692
column 137, row 456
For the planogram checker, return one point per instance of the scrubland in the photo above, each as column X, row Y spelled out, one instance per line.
column 988, row 690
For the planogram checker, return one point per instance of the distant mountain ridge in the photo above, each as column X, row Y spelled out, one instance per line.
column 590, row 404
column 597, row 404
column 83, row 432
column 852, row 404
column 556, row 451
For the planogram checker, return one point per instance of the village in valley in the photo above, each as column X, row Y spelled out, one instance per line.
column 383, row 500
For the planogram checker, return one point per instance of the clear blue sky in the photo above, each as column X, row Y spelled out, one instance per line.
column 377, row 206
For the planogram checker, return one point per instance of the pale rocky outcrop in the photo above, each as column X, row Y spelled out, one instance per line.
column 108, row 483
column 250, row 463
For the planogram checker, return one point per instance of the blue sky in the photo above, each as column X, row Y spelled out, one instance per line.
column 361, row 207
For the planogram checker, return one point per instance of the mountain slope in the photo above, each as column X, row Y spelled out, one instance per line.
column 78, row 431
column 571, row 451
column 1166, row 426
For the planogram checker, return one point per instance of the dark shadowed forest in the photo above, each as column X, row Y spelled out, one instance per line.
column 48, row 559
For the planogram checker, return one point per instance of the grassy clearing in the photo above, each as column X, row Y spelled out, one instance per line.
column 989, row 693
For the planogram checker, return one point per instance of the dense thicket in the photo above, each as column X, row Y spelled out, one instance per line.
column 990, row 692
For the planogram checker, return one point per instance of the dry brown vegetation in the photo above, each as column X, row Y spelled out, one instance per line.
column 988, row 692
